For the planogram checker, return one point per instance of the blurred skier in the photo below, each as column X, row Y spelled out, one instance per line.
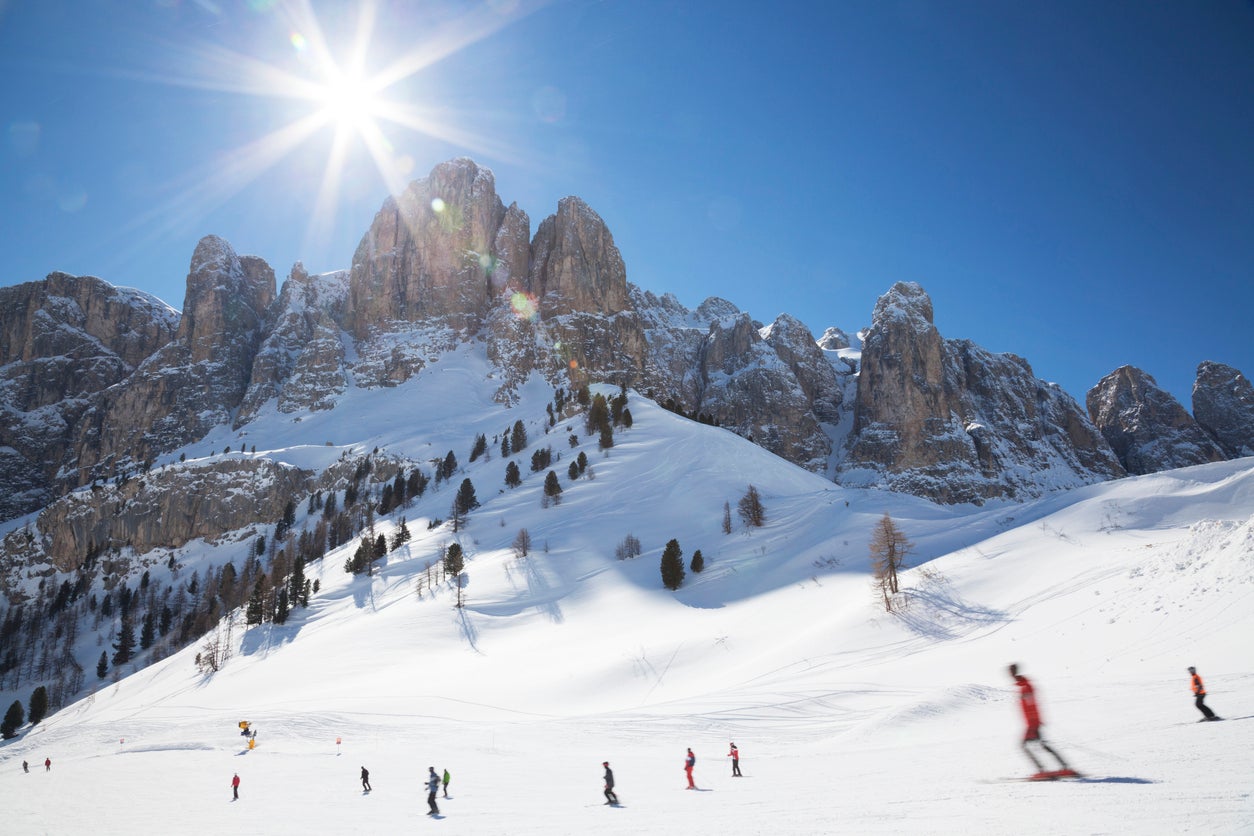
column 610, row 796
column 47, row 764
column 25, row 766
column 734, row 754
column 1032, row 716
column 447, row 778
column 433, row 786
column 1199, row 691
column 365, row 779
column 689, row 763
column 235, row 787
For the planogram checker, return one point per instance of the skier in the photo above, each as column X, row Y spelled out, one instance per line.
column 365, row 779
column 734, row 754
column 25, row 766
column 235, row 787
column 47, row 764
column 610, row 796
column 433, row 786
column 1199, row 691
column 1027, row 700
column 689, row 763
column 447, row 778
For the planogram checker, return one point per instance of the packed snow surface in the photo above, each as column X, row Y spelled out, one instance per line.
column 848, row 718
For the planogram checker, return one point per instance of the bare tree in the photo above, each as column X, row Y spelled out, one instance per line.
column 889, row 548
column 522, row 542
column 750, row 508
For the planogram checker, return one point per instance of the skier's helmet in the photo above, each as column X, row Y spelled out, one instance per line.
column 1192, row 669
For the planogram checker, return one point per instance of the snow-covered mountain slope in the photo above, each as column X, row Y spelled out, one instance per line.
column 849, row 719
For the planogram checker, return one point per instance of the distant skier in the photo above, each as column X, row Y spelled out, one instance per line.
column 235, row 787
column 365, row 779
column 433, row 786
column 689, row 763
column 447, row 778
column 25, row 766
column 610, row 796
column 734, row 754
column 1032, row 716
column 1199, row 691
column 47, row 764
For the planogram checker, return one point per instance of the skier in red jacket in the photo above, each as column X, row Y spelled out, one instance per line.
column 1032, row 716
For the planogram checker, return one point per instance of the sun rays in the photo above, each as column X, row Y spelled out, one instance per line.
column 336, row 91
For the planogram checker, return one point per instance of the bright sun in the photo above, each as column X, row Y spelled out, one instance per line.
column 349, row 102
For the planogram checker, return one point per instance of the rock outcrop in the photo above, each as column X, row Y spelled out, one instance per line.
column 1223, row 404
column 301, row 363
column 165, row 508
column 63, row 341
column 1146, row 427
column 773, row 385
column 952, row 422
column 191, row 384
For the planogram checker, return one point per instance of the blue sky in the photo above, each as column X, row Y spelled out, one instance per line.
column 1072, row 182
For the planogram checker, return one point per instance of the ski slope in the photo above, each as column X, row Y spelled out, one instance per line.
column 848, row 719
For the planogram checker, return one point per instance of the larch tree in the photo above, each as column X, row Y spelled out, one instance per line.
column 888, row 548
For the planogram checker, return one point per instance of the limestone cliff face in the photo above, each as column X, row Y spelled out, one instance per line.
column 1146, row 427
column 63, row 341
column 428, row 254
column 191, row 384
column 301, row 363
column 1223, row 404
column 579, row 284
column 950, row 421
column 772, row 385
column 166, row 508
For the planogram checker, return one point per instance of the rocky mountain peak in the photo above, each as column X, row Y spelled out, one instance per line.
column 575, row 266
column 428, row 254
column 951, row 421
column 1145, row 425
column 1223, row 404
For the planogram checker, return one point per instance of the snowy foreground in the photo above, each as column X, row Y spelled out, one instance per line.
column 848, row 719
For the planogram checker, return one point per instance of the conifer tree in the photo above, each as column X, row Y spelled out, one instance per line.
column 256, row 613
column 513, row 478
column 13, row 720
column 672, row 565
column 125, row 645
column 38, row 705
column 466, row 500
column 698, row 562
column 518, row 438
column 553, row 487
column 481, row 446
column 102, row 666
column 148, row 632
column 282, row 607
column 454, row 562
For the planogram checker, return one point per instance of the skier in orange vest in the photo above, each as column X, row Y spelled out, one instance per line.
column 1199, row 691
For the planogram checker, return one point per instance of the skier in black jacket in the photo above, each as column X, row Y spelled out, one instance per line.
column 610, row 796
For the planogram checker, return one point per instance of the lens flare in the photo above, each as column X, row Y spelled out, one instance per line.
column 437, row 205
column 298, row 41
column 523, row 305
